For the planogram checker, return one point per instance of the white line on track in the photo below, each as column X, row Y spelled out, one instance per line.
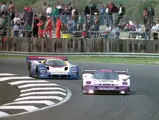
column 3, row 114
column 38, row 85
column 43, row 93
column 6, row 74
column 41, row 88
column 27, row 108
column 47, row 102
column 39, row 97
column 15, row 78
column 27, row 81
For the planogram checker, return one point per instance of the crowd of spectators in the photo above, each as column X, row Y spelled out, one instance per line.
column 66, row 19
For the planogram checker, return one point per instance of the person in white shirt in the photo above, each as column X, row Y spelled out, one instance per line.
column 49, row 10
column 154, row 30
column 16, row 19
column 107, row 31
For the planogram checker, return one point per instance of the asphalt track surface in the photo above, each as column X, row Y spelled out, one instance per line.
column 142, row 104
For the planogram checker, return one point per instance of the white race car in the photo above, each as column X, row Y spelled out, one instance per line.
column 106, row 81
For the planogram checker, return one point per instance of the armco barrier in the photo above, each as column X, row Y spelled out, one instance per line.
column 79, row 45
column 112, row 54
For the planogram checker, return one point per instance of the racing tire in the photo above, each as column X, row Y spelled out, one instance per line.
column 128, row 92
column 37, row 72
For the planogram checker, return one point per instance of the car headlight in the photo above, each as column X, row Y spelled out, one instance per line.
column 43, row 71
column 74, row 70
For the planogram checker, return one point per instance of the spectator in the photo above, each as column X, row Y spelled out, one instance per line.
column 35, row 27
column 11, row 7
column 44, row 8
column 70, row 7
column 41, row 27
column 29, row 16
column 65, row 15
column 71, row 25
column 145, row 16
column 49, row 10
column 26, row 8
column 75, row 16
column 16, row 29
column 80, row 22
column 109, row 18
column 107, row 31
column 43, row 15
column 16, row 19
column 16, row 12
column 96, row 24
column 59, row 7
column 137, row 32
column 55, row 14
column 48, row 27
column 102, row 9
column 147, row 32
column 0, row 7
column 58, row 28
column 121, row 13
column 102, row 13
column 3, row 26
column 115, row 33
column 113, row 8
column 4, row 8
column 87, row 10
column 152, row 14
column 155, row 30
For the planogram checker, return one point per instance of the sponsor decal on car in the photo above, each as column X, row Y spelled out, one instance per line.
column 106, row 88
column 59, row 73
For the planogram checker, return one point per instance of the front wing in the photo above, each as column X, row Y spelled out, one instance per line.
column 68, row 75
column 42, row 74
column 105, row 89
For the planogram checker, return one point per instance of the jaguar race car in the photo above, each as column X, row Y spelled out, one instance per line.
column 52, row 67
column 106, row 81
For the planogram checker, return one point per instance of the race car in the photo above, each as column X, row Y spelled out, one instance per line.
column 106, row 81
column 57, row 67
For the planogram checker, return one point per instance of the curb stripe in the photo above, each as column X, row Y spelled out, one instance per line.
column 3, row 114
column 14, row 78
column 39, row 97
column 48, row 88
column 37, row 85
column 44, row 93
column 47, row 102
column 6, row 74
column 27, row 108
column 27, row 81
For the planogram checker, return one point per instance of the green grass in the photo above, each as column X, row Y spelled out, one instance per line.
column 103, row 59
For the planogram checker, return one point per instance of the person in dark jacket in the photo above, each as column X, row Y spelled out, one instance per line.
column 35, row 27
column 152, row 14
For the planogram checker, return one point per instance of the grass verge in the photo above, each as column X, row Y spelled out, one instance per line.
column 103, row 59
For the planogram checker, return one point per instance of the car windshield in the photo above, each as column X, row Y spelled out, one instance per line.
column 55, row 63
column 106, row 75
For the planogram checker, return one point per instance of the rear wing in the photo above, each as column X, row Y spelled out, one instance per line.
column 39, row 58
column 119, row 71
column 88, row 71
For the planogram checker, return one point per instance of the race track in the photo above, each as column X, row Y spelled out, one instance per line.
column 142, row 104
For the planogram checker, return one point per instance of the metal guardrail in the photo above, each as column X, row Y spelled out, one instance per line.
column 89, row 54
